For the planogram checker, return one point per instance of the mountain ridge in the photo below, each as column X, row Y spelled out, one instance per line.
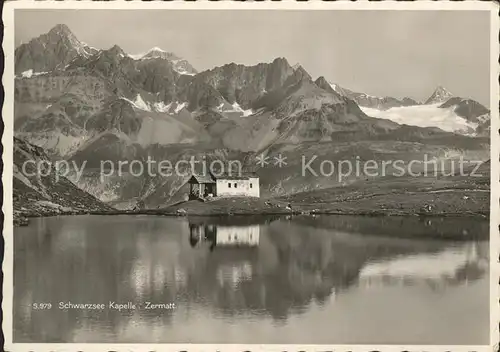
column 366, row 100
column 109, row 105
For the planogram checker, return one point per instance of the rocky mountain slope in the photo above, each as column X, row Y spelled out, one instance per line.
column 108, row 105
column 472, row 111
column 49, row 51
column 45, row 192
column 366, row 100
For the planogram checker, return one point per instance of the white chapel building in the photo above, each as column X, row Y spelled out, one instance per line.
column 245, row 185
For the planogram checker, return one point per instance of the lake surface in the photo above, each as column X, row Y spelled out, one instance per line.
column 324, row 280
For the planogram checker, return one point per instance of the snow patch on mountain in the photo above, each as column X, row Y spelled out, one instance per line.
column 181, row 66
column 184, row 72
column 88, row 46
column 180, row 107
column 154, row 53
column 138, row 103
column 141, row 103
column 161, row 106
column 174, row 107
column 425, row 116
column 238, row 108
column 30, row 73
column 225, row 107
column 483, row 118
column 27, row 74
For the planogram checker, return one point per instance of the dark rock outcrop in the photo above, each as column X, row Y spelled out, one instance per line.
column 39, row 189
column 469, row 109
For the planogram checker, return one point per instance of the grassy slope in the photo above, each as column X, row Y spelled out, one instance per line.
column 450, row 195
column 396, row 196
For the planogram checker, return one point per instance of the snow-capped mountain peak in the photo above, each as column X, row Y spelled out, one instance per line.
column 155, row 53
column 51, row 50
column 440, row 95
column 180, row 65
column 443, row 90
column 157, row 49
column 62, row 32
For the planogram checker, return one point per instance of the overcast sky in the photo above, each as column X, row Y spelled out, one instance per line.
column 386, row 53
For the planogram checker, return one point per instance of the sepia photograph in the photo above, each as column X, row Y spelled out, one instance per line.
column 232, row 175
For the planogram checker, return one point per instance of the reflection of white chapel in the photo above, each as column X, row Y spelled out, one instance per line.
column 238, row 235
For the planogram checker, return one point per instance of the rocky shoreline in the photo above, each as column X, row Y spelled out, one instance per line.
column 248, row 206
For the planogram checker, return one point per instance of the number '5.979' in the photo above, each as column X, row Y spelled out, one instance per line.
column 42, row 305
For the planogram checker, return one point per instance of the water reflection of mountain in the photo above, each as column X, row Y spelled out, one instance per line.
column 453, row 228
column 290, row 266
column 451, row 266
